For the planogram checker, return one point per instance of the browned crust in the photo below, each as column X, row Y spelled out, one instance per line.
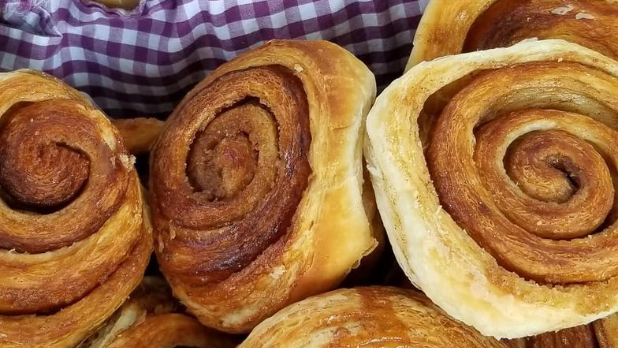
column 238, row 247
column 71, row 192
column 538, row 235
column 492, row 108
column 138, row 134
column 366, row 317
column 123, row 4
column 172, row 330
column 450, row 27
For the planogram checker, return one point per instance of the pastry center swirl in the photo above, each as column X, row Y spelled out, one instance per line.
column 38, row 170
column 232, row 151
column 55, row 168
column 524, row 159
column 233, row 168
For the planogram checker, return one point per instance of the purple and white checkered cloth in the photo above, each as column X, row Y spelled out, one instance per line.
column 143, row 62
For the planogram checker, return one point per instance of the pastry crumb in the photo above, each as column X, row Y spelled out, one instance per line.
column 161, row 244
column 277, row 272
column 298, row 68
column 127, row 161
column 583, row 15
column 561, row 11
column 374, row 171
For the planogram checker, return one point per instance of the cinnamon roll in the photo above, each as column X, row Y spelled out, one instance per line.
column 172, row 330
column 495, row 175
column 451, row 27
column 257, row 182
column 138, row 134
column 365, row 317
column 75, row 238
column 152, row 318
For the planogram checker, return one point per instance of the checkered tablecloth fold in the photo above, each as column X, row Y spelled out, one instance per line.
column 143, row 62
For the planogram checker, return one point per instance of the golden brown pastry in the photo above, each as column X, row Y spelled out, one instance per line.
column 172, row 330
column 150, row 318
column 606, row 331
column 139, row 133
column 257, row 182
column 602, row 333
column 577, row 337
column 450, row 27
column 74, row 235
column 152, row 297
column 122, row 4
column 494, row 176
column 365, row 317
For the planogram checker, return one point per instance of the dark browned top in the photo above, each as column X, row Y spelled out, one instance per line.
column 372, row 317
column 73, row 235
column 228, row 172
column 590, row 23
column 49, row 155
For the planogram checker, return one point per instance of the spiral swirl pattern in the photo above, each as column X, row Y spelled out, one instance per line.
column 73, row 235
column 247, row 177
column 246, row 167
column 556, row 186
column 585, row 22
column 517, row 201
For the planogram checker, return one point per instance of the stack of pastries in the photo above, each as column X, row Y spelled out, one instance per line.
column 491, row 164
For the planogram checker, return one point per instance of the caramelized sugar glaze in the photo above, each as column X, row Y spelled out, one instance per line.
column 246, row 170
column 451, row 27
column 257, row 183
column 74, row 235
column 590, row 23
column 366, row 317
column 524, row 160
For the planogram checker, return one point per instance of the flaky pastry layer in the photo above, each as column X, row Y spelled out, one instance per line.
column 257, row 182
column 365, row 317
column 75, row 236
column 455, row 217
